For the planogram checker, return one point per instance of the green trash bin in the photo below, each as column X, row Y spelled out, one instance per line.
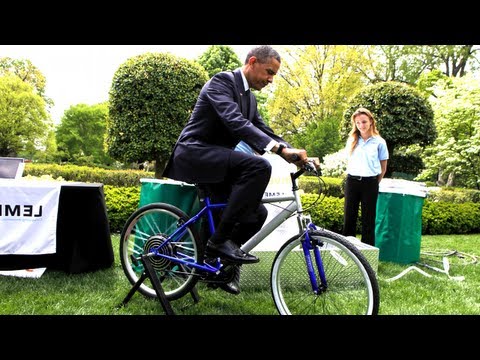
column 398, row 224
column 180, row 194
column 177, row 193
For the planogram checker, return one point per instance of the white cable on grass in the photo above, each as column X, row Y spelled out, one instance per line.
column 408, row 270
column 446, row 270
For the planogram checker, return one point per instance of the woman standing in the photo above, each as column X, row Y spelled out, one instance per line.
column 367, row 163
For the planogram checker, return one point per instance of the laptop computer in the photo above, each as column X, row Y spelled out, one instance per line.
column 11, row 168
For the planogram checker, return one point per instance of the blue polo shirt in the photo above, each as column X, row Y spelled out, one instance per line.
column 365, row 158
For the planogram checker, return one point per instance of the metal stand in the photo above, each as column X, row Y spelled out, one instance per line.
column 157, row 286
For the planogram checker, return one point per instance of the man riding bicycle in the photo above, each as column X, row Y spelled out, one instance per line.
column 225, row 114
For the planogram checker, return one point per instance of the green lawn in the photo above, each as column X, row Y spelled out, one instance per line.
column 99, row 293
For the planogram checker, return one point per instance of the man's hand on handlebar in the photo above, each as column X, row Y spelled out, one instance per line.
column 315, row 161
column 296, row 156
column 299, row 157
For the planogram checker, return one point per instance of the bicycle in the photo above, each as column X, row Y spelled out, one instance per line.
column 316, row 271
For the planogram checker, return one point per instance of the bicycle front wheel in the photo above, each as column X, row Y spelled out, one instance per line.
column 349, row 285
column 148, row 228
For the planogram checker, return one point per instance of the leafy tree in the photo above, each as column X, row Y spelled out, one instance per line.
column 427, row 81
column 456, row 151
column 404, row 117
column 151, row 99
column 262, row 100
column 27, row 72
column 222, row 58
column 310, row 94
column 320, row 138
column 80, row 134
column 391, row 63
column 46, row 153
column 407, row 63
column 24, row 122
column 453, row 60
column 219, row 58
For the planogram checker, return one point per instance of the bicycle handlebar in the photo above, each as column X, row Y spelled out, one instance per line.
column 309, row 166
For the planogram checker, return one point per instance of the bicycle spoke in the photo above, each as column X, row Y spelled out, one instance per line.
column 148, row 231
column 350, row 288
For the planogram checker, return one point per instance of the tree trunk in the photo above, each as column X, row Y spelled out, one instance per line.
column 440, row 180
column 451, row 179
column 159, row 167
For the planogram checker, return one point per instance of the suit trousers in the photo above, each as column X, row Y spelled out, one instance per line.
column 243, row 188
column 364, row 192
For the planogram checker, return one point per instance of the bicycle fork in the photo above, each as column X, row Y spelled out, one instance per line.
column 307, row 245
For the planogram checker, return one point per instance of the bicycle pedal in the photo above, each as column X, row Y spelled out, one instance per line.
column 134, row 260
column 213, row 286
column 211, row 260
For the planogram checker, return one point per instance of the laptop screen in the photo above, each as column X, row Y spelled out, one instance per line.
column 11, row 168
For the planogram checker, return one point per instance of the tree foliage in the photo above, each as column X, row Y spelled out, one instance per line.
column 311, row 92
column 427, row 81
column 407, row 63
column 391, row 63
column 151, row 98
column 24, row 122
column 47, row 153
column 27, row 72
column 80, row 134
column 403, row 115
column 456, row 150
column 453, row 60
column 219, row 58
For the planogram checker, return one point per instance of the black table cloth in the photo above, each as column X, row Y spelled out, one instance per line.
column 83, row 234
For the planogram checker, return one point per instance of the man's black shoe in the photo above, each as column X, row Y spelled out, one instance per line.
column 230, row 251
column 233, row 287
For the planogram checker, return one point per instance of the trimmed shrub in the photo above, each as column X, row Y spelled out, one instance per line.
column 461, row 215
column 150, row 100
column 327, row 213
column 121, row 202
column 447, row 218
column 88, row 174
column 333, row 186
column 404, row 117
column 454, row 195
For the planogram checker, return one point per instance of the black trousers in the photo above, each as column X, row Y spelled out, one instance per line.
column 364, row 192
column 243, row 188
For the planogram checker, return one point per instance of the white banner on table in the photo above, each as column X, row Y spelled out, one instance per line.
column 28, row 217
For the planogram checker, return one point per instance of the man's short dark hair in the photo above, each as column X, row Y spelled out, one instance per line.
column 263, row 53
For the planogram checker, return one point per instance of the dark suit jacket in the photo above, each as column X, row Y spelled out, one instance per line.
column 202, row 151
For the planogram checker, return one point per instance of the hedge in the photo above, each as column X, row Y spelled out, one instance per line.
column 437, row 217
column 459, row 215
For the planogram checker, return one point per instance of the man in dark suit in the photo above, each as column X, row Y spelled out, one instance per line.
column 225, row 114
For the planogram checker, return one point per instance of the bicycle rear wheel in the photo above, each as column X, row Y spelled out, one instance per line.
column 351, row 287
column 149, row 227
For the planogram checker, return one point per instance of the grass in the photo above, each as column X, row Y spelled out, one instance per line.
column 416, row 294
column 99, row 293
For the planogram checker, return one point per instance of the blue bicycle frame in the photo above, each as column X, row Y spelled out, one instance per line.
column 295, row 205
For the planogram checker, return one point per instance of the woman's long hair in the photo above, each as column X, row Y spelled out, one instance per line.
column 355, row 133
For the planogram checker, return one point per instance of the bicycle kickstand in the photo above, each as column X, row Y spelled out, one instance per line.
column 157, row 286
